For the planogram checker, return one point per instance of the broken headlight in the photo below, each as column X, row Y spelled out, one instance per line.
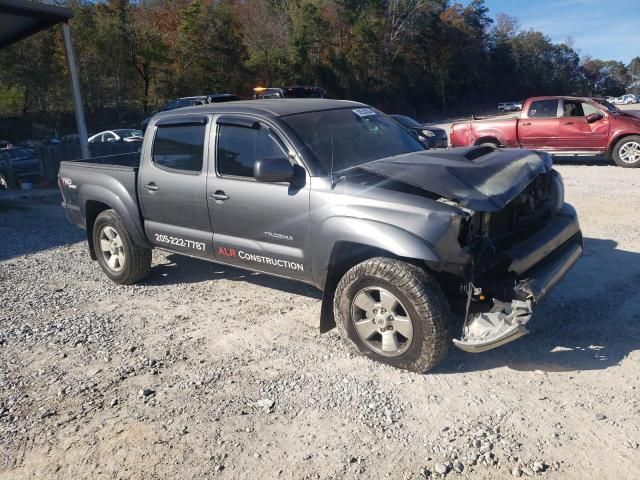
column 556, row 200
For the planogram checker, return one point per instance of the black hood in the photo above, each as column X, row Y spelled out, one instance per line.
column 480, row 178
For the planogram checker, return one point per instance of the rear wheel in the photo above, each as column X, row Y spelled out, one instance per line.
column 394, row 313
column 626, row 152
column 119, row 257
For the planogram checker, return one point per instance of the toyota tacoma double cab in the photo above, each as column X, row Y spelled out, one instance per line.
column 406, row 244
column 570, row 126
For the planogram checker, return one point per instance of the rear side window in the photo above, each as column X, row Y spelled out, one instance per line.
column 543, row 109
column 179, row 147
column 240, row 147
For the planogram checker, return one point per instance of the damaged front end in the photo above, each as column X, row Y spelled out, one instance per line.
column 505, row 321
column 520, row 254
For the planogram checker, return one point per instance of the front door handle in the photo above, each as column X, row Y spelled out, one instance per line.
column 568, row 123
column 219, row 196
column 525, row 124
column 151, row 187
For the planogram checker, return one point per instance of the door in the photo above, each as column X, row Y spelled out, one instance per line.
column 576, row 133
column 257, row 225
column 172, row 186
column 539, row 126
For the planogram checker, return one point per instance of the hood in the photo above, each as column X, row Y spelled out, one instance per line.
column 634, row 115
column 432, row 128
column 479, row 178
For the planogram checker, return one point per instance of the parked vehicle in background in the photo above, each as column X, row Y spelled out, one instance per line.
column 560, row 126
column 625, row 100
column 72, row 138
column 431, row 137
column 338, row 195
column 5, row 144
column 118, row 135
column 295, row 91
column 509, row 107
column 191, row 102
column 20, row 163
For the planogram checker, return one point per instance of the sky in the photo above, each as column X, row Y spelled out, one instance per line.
column 605, row 29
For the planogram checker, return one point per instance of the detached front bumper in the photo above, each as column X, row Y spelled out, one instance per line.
column 539, row 264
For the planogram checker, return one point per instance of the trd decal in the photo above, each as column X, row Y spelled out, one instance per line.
column 226, row 252
column 67, row 182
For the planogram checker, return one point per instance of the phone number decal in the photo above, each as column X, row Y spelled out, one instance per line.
column 180, row 242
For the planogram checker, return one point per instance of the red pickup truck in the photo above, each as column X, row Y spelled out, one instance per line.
column 560, row 126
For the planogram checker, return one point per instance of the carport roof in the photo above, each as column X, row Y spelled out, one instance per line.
column 20, row 19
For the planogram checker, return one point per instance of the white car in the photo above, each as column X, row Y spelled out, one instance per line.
column 509, row 106
column 627, row 99
column 119, row 135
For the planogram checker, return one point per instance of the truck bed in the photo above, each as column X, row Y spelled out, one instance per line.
column 111, row 180
column 127, row 160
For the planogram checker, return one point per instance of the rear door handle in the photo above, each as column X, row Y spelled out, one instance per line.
column 525, row 124
column 151, row 187
column 568, row 123
column 219, row 196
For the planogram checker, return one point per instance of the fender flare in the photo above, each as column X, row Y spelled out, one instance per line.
column 119, row 200
column 368, row 233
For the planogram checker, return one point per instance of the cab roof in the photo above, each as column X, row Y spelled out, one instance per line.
column 276, row 107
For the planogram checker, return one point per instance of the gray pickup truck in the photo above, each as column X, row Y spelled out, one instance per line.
column 407, row 245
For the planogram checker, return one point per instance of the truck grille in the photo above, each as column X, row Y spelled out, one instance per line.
column 527, row 213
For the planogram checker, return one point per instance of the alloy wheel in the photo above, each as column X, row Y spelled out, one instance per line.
column 381, row 321
column 630, row 152
column 112, row 249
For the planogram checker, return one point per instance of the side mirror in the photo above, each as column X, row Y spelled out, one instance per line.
column 593, row 117
column 278, row 169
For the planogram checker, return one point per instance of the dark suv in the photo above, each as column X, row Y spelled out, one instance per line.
column 192, row 102
column 295, row 91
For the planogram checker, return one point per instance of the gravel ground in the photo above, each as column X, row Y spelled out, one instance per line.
column 205, row 371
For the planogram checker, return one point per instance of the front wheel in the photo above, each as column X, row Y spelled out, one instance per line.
column 394, row 313
column 120, row 258
column 626, row 152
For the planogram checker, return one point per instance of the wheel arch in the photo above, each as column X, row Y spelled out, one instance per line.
column 345, row 242
column 95, row 199
column 488, row 139
column 614, row 141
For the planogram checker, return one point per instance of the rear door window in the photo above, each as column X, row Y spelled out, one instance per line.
column 179, row 147
column 543, row 109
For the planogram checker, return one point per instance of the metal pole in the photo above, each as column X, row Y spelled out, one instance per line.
column 77, row 98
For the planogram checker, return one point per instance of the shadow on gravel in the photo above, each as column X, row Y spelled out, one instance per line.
column 595, row 160
column 30, row 225
column 181, row 269
column 591, row 321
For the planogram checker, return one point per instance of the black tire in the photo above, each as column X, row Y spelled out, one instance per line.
column 137, row 259
column 619, row 145
column 421, row 297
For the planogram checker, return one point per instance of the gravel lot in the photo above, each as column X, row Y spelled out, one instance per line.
column 210, row 372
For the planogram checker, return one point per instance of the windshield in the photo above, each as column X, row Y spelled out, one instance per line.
column 351, row 136
column 608, row 106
